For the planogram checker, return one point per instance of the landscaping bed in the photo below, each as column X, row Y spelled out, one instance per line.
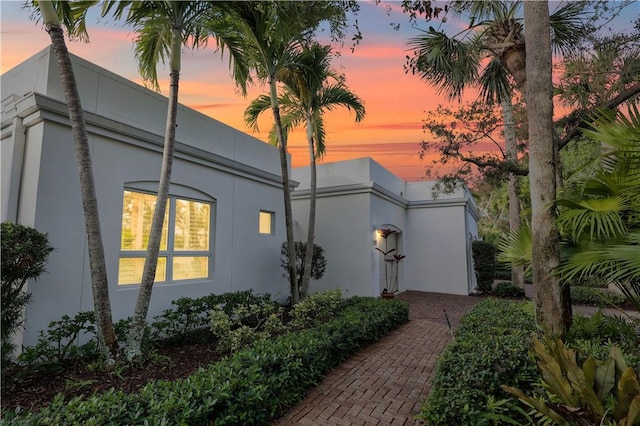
column 251, row 385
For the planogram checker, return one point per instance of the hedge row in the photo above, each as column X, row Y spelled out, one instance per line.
column 491, row 348
column 252, row 387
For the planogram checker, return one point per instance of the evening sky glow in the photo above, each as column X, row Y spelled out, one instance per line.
column 395, row 102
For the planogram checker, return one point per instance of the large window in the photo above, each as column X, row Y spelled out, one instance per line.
column 185, row 249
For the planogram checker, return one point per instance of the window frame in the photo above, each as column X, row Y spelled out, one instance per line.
column 272, row 225
column 189, row 195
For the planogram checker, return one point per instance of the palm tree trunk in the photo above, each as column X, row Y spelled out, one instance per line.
column 99, row 281
column 549, row 301
column 308, row 257
column 136, row 333
column 511, row 147
column 288, row 213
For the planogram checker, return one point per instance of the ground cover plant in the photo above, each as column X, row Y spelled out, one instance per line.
column 492, row 348
column 251, row 385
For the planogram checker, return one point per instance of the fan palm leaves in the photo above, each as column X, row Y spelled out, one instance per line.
column 599, row 216
column 451, row 63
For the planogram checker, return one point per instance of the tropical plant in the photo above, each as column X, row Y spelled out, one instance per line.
column 600, row 392
column 24, row 256
column 601, row 213
column 162, row 28
column 273, row 34
column 311, row 87
column 318, row 261
column 99, row 282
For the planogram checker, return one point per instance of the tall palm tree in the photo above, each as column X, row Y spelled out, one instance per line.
column 163, row 27
column 274, row 33
column 99, row 281
column 307, row 94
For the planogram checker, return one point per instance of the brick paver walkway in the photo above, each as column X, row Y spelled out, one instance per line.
column 387, row 382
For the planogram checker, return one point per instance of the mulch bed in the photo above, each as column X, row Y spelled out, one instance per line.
column 35, row 389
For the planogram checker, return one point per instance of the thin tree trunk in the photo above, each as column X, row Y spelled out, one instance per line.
column 511, row 147
column 308, row 257
column 136, row 333
column 99, row 281
column 549, row 300
column 288, row 213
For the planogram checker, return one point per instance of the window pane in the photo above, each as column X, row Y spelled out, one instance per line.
column 130, row 270
column 192, row 226
column 137, row 214
column 188, row 268
column 266, row 222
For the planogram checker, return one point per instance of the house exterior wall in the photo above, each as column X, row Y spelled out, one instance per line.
column 433, row 233
column 126, row 128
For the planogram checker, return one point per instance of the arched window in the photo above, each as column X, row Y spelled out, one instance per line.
column 186, row 249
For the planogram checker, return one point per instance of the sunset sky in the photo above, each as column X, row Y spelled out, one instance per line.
column 395, row 102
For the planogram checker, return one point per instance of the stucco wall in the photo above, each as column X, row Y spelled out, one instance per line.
column 126, row 126
column 436, row 252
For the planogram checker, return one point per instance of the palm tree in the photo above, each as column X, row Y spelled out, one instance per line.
column 163, row 27
column 274, row 33
column 307, row 95
column 99, row 281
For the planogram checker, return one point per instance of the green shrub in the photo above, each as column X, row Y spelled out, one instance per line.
column 318, row 262
column 319, row 307
column 491, row 348
column 24, row 256
column 505, row 289
column 484, row 262
column 253, row 386
column 190, row 316
column 595, row 335
column 595, row 296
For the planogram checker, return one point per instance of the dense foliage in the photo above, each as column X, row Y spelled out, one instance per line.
column 318, row 261
column 24, row 256
column 252, row 386
column 484, row 262
column 493, row 347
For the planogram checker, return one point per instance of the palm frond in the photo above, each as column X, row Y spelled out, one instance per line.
column 515, row 247
column 152, row 46
column 495, row 86
column 617, row 260
column 567, row 28
column 259, row 105
column 600, row 218
column 446, row 63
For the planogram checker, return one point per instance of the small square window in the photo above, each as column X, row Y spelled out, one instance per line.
column 267, row 223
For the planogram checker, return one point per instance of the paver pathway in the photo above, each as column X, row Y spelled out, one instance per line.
column 387, row 382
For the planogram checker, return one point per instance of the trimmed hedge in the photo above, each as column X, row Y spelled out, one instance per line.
column 596, row 296
column 491, row 348
column 484, row 262
column 252, row 387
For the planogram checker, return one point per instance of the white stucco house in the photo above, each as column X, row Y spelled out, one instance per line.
column 226, row 215
column 225, row 223
column 358, row 198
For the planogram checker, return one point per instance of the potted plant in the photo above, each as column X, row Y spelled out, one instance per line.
column 391, row 260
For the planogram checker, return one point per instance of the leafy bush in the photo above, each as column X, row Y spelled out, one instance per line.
column 24, row 256
column 595, row 296
column 595, row 335
column 318, row 261
column 245, row 325
column 491, row 348
column 505, row 289
column 319, row 307
column 484, row 262
column 253, row 386
column 192, row 315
